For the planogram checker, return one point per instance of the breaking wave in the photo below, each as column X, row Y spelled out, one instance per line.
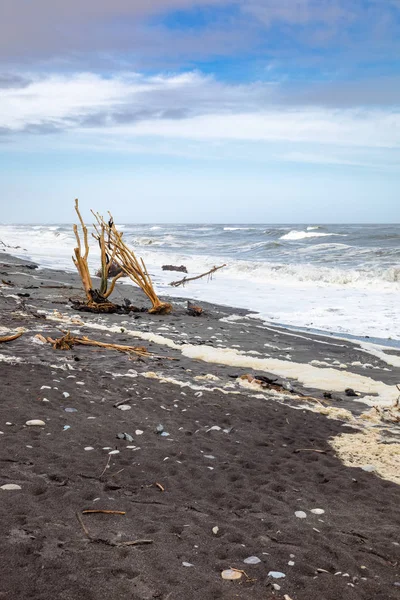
column 302, row 235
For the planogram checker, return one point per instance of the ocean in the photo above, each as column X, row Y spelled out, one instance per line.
column 343, row 279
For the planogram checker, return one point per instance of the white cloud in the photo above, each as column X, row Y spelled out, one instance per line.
column 189, row 108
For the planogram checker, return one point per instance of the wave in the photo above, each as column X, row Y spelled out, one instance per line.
column 302, row 235
column 312, row 227
column 240, row 228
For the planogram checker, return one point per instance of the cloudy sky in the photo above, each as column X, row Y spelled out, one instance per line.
column 200, row 110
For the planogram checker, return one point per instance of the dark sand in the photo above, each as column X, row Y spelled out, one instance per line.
column 248, row 481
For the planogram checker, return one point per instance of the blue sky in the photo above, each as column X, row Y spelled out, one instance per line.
column 201, row 110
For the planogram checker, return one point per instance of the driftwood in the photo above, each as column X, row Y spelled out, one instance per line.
column 128, row 262
column 187, row 279
column 94, row 297
column 181, row 269
column 67, row 342
column 194, row 310
column 10, row 338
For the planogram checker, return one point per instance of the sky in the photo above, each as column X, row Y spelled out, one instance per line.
column 227, row 111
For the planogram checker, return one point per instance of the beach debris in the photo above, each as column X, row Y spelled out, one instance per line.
column 66, row 427
column 114, row 452
column 108, row 542
column 10, row 487
column 386, row 414
column 309, row 450
column 185, row 280
column 252, row 560
column 213, row 428
column 276, row 574
column 103, row 512
column 11, row 338
column 68, row 341
column 164, row 434
column 125, row 258
column 350, row 392
column 96, row 300
column 113, row 271
column 124, row 407
column 215, row 530
column 317, row 511
column 187, row 564
column 139, row 432
column 88, row 448
column 231, row 574
column 180, row 269
column 300, row 514
column 159, row 428
column 35, row 423
column 160, row 487
column 193, row 310
column 70, row 410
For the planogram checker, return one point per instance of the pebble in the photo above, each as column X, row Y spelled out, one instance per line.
column 276, row 587
column 276, row 575
column 215, row 530
column 164, row 434
column 70, row 410
column 291, row 563
column 214, row 428
column 88, row 448
column 159, row 428
column 35, row 423
column 231, row 575
column 139, row 432
column 11, row 486
column 252, row 560
column 65, row 394
column 114, row 452
column 300, row 514
column 124, row 407
column 210, row 456
column 66, row 427
column 187, row 564
column 317, row 511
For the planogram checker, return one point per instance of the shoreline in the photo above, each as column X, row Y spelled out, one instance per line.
column 269, row 456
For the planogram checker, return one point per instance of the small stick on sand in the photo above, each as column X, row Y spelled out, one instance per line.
column 310, row 450
column 187, row 279
column 106, row 467
column 10, row 338
column 85, row 529
column 104, row 512
column 135, row 543
column 160, row 487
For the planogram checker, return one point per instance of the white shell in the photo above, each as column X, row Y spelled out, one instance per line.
column 35, row 423
column 317, row 511
column 300, row 514
column 231, row 575
column 11, row 486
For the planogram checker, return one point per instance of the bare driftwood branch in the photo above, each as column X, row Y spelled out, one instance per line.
column 68, row 341
column 187, row 279
column 126, row 259
column 10, row 338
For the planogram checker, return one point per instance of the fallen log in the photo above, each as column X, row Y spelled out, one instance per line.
column 187, row 279
column 181, row 269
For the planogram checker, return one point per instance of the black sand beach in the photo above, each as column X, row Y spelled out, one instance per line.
column 239, row 457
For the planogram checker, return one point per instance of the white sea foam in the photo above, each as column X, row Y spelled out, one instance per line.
column 303, row 288
column 302, row 235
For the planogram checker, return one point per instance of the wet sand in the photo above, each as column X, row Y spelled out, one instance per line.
column 248, row 476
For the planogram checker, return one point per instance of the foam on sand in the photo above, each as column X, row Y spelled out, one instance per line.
column 365, row 448
column 325, row 379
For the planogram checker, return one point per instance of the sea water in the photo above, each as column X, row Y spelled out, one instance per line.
column 343, row 279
